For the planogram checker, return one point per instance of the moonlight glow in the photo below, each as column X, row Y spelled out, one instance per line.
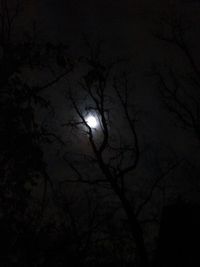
column 92, row 121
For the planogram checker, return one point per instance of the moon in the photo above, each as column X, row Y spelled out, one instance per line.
column 92, row 121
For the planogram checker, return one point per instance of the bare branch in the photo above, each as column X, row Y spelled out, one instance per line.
column 155, row 185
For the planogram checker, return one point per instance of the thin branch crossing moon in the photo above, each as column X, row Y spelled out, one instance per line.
column 92, row 121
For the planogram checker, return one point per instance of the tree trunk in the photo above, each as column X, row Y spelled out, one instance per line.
column 141, row 253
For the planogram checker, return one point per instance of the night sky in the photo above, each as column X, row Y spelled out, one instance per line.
column 127, row 27
column 52, row 154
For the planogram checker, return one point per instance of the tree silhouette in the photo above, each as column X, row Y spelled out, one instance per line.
column 179, row 90
column 179, row 87
column 22, row 163
column 107, row 171
column 113, row 149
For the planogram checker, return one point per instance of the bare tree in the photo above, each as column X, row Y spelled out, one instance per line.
column 179, row 86
column 22, row 135
column 113, row 147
